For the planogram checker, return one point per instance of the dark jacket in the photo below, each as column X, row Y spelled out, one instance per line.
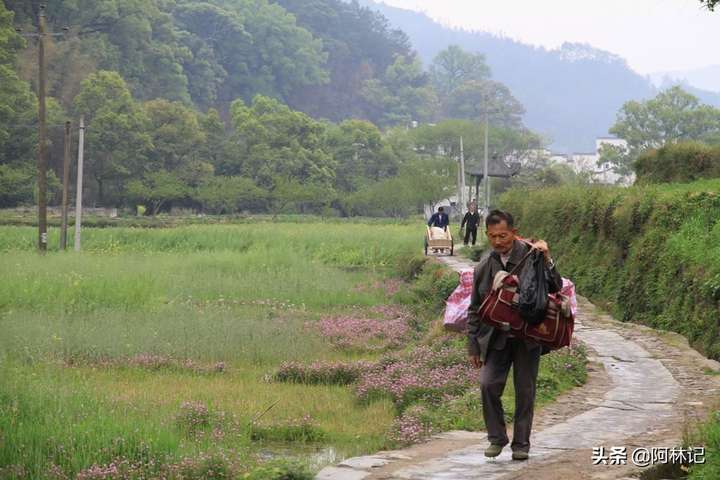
column 439, row 219
column 472, row 220
column 481, row 336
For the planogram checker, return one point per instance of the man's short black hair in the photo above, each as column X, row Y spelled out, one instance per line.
column 498, row 216
column 441, row 209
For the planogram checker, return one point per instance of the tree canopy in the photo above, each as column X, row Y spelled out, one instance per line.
column 231, row 105
column 673, row 116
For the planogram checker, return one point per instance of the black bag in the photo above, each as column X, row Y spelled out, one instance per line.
column 534, row 288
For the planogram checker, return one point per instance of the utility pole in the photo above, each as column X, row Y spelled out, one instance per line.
column 66, row 181
column 42, row 159
column 486, row 170
column 42, row 150
column 462, row 173
column 79, row 188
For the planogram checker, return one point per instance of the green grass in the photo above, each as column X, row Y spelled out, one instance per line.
column 28, row 217
column 709, row 436
column 240, row 294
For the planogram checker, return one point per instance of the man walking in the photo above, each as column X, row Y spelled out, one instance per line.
column 471, row 219
column 494, row 351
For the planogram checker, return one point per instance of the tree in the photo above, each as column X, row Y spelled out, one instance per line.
column 287, row 191
column 222, row 195
column 673, row 115
column 16, row 185
column 403, row 94
column 444, row 139
column 544, row 174
column 175, row 134
column 280, row 58
column 17, row 102
column 133, row 37
column 360, row 44
column 274, row 141
column 219, row 46
column 453, row 67
column 419, row 182
column 157, row 188
column 710, row 4
column 615, row 158
column 217, row 148
column 472, row 99
column 358, row 149
column 117, row 142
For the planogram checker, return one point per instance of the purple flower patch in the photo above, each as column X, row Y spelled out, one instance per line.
column 384, row 327
column 423, row 374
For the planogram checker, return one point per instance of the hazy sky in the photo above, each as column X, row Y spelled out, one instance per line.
column 653, row 35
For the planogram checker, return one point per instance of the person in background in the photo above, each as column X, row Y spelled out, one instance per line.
column 471, row 219
column 439, row 219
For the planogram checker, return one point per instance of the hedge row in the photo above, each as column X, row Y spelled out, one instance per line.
column 682, row 162
column 649, row 254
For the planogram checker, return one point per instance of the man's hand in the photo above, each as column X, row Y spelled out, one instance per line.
column 543, row 247
column 475, row 361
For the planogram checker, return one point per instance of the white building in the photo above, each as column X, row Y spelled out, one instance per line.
column 617, row 142
column 588, row 162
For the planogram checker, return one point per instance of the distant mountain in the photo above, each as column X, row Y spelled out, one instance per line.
column 571, row 94
column 706, row 78
column 705, row 96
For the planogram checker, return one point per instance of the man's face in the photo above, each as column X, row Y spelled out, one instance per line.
column 501, row 237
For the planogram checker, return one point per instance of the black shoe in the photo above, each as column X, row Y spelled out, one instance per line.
column 520, row 455
column 493, row 450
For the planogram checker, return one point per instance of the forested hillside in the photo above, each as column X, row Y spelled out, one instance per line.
column 570, row 94
column 231, row 105
column 315, row 55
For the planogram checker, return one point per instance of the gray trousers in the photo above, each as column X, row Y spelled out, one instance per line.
column 493, row 376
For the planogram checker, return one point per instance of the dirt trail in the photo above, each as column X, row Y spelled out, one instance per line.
column 645, row 389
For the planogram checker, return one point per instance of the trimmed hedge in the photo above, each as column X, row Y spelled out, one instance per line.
column 682, row 162
column 649, row 254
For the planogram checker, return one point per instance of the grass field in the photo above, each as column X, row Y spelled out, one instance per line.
column 153, row 349
column 236, row 294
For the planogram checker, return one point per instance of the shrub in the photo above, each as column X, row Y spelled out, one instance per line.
column 409, row 266
column 475, row 253
column 649, row 254
column 280, row 470
column 193, row 417
column 434, row 286
column 327, row 373
column 298, row 430
column 682, row 162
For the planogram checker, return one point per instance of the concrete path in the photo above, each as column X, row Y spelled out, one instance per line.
column 645, row 389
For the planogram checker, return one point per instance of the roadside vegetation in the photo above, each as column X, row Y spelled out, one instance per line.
column 649, row 254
